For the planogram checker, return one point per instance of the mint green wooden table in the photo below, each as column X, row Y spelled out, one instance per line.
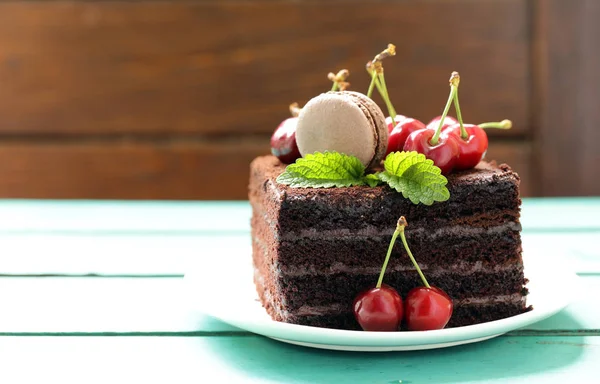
column 93, row 292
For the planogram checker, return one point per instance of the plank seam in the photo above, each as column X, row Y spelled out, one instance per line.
column 200, row 232
column 522, row 333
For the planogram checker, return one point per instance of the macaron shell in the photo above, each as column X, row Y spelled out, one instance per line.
column 364, row 107
column 336, row 121
column 381, row 129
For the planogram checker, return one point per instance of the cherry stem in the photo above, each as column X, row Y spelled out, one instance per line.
column 454, row 79
column 339, row 80
column 295, row 109
column 463, row 132
column 375, row 69
column 387, row 257
column 504, row 124
column 386, row 97
column 401, row 224
column 372, row 87
column 374, row 82
column 377, row 80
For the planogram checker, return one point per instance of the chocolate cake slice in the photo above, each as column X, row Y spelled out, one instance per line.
column 314, row 250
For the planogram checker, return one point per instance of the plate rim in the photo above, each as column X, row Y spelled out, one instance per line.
column 379, row 348
column 323, row 337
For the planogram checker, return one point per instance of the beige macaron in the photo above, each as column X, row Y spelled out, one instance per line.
column 345, row 122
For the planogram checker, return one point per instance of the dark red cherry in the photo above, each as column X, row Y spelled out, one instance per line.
column 379, row 309
column 435, row 122
column 444, row 153
column 472, row 148
column 397, row 119
column 283, row 141
column 400, row 132
column 427, row 309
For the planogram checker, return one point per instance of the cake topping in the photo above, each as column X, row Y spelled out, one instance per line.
column 443, row 150
column 452, row 145
column 324, row 170
column 446, row 122
column 409, row 173
column 472, row 139
column 401, row 131
column 283, row 140
column 338, row 127
column 375, row 70
column 415, row 176
column 295, row 109
column 339, row 80
column 343, row 122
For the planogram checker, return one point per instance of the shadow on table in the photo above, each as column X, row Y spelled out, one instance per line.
column 502, row 357
column 562, row 320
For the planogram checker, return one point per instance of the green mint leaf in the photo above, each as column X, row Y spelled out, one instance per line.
column 324, row 170
column 372, row 179
column 424, row 185
column 415, row 176
column 397, row 163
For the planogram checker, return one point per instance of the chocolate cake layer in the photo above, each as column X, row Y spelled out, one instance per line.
column 498, row 247
column 462, row 316
column 343, row 288
column 485, row 190
column 314, row 250
column 467, row 311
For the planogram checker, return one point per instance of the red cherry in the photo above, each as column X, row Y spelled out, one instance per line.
column 427, row 309
column 400, row 132
column 435, row 122
column 472, row 149
column 390, row 124
column 443, row 154
column 379, row 309
column 283, row 141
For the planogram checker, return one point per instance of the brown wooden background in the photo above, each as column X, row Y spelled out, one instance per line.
column 172, row 100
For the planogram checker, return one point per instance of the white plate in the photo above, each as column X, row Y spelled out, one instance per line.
column 238, row 305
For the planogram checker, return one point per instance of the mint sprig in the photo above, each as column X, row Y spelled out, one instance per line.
column 409, row 173
column 324, row 170
column 373, row 180
column 415, row 176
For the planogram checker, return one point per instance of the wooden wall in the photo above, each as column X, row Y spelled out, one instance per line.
column 172, row 100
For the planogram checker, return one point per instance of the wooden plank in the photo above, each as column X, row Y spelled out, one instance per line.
column 159, row 68
column 560, row 214
column 124, row 217
column 517, row 154
column 176, row 169
column 260, row 360
column 171, row 254
column 129, row 170
column 30, row 217
column 116, row 254
column 567, row 82
column 54, row 305
column 578, row 248
column 102, row 305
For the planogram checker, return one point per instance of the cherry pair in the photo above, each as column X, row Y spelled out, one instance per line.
column 451, row 144
column 454, row 147
column 381, row 308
